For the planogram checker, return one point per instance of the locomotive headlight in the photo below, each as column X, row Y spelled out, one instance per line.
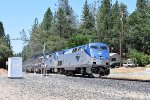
column 101, row 57
column 100, row 53
column 107, row 63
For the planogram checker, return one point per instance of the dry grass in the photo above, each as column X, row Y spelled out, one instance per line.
column 145, row 77
column 127, row 70
column 124, row 73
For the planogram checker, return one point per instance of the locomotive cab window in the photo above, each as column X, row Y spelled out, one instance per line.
column 79, row 49
column 103, row 48
column 93, row 47
column 76, row 50
column 59, row 63
column 50, row 55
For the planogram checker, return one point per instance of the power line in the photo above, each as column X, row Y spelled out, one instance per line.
column 16, row 39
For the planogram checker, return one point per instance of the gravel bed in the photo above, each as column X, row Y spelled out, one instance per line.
column 60, row 87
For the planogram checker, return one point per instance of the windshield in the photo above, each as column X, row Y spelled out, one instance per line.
column 99, row 48
column 93, row 47
column 103, row 48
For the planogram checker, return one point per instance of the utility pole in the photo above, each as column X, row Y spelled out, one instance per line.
column 121, row 38
column 44, row 66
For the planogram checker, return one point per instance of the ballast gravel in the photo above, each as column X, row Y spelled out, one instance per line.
column 60, row 87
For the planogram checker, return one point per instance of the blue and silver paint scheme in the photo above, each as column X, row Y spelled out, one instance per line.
column 92, row 57
column 99, row 54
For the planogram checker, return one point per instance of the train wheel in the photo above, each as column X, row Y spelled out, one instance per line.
column 100, row 76
column 90, row 75
column 62, row 71
column 69, row 73
column 83, row 74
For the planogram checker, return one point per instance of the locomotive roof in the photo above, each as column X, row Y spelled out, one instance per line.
column 65, row 50
column 96, row 43
column 82, row 46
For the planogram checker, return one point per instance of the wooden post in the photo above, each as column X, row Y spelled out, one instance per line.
column 121, row 38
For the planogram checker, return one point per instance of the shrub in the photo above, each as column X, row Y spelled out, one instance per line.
column 139, row 57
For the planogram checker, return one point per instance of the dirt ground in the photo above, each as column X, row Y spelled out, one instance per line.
column 3, row 72
column 142, row 78
column 128, row 70
column 137, row 73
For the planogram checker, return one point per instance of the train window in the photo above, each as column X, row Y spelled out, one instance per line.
column 103, row 48
column 50, row 61
column 93, row 47
column 79, row 49
column 59, row 63
column 74, row 50
column 113, row 59
column 50, row 55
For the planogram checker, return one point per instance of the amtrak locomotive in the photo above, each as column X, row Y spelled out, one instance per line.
column 89, row 59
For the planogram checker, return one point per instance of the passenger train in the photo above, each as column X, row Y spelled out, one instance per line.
column 89, row 59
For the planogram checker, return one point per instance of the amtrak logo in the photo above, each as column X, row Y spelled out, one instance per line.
column 77, row 58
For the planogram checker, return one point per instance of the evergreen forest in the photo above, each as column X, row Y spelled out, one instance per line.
column 63, row 29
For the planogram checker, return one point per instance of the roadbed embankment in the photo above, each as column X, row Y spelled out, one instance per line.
column 61, row 87
column 137, row 73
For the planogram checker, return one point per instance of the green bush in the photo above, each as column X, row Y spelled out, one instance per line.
column 139, row 57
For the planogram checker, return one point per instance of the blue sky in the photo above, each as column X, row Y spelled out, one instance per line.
column 20, row 14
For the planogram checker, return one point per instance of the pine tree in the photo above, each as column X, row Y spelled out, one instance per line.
column 47, row 21
column 60, row 22
column 35, row 42
column 87, row 17
column 103, row 20
column 2, row 34
column 35, row 25
column 115, row 30
column 5, row 49
column 115, row 18
column 141, row 4
column 70, row 18
column 87, row 26
column 70, row 22
column 54, row 25
column 64, row 4
column 25, row 53
column 8, row 41
column 139, row 32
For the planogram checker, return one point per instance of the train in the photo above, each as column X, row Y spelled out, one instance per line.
column 88, row 59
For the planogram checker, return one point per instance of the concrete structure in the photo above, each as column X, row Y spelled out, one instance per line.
column 115, row 59
column 15, row 67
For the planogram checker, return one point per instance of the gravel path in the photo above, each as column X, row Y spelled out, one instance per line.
column 60, row 87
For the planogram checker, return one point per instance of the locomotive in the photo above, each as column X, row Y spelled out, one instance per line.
column 89, row 59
